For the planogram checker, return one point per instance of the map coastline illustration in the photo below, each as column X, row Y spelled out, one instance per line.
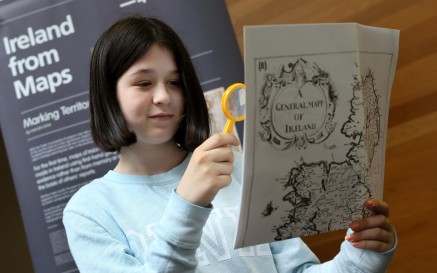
column 297, row 109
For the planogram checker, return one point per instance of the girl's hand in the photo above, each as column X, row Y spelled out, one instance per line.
column 374, row 232
column 209, row 170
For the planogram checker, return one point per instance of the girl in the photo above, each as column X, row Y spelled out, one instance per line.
column 170, row 204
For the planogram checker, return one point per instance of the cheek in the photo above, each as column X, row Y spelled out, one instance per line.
column 133, row 108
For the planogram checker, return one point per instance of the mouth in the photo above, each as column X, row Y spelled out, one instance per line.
column 161, row 116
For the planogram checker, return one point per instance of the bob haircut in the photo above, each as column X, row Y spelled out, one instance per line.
column 118, row 48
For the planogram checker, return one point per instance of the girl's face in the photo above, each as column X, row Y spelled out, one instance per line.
column 150, row 97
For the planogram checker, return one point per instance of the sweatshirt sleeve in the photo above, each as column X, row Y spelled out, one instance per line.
column 294, row 256
column 102, row 247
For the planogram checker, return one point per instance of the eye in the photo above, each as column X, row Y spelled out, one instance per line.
column 175, row 82
column 144, row 83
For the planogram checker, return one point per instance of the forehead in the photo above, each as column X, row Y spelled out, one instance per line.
column 156, row 58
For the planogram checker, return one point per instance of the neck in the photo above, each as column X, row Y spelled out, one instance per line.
column 143, row 159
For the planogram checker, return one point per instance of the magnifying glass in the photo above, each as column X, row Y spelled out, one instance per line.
column 233, row 105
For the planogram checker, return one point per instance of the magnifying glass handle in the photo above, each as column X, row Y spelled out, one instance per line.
column 229, row 126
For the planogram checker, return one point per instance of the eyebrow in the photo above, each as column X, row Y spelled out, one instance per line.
column 150, row 71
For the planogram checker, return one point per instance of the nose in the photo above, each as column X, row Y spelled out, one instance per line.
column 161, row 95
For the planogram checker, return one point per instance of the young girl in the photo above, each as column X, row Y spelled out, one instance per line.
column 170, row 204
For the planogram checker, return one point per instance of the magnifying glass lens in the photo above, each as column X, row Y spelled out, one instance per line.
column 236, row 103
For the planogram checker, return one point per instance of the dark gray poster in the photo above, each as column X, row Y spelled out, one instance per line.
column 44, row 55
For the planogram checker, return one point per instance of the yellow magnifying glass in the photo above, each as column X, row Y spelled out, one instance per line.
column 233, row 105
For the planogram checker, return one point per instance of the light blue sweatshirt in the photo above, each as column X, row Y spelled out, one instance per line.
column 132, row 223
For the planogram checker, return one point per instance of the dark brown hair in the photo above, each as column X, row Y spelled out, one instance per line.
column 120, row 46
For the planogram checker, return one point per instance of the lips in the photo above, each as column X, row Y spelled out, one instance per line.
column 161, row 116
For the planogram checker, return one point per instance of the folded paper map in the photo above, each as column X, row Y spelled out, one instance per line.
column 317, row 106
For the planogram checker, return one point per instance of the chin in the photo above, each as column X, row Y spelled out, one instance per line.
column 157, row 140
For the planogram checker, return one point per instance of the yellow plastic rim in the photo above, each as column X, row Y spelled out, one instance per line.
column 231, row 89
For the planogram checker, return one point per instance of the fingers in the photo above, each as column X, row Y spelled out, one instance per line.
column 223, row 168
column 374, row 245
column 374, row 232
column 216, row 148
column 221, row 154
column 209, row 170
column 377, row 206
column 219, row 140
column 208, row 158
column 371, row 222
